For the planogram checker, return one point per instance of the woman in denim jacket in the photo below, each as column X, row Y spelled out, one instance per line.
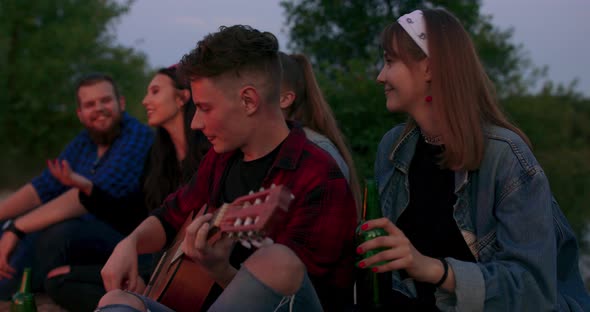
column 472, row 223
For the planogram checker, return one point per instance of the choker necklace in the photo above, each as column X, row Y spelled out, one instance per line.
column 434, row 140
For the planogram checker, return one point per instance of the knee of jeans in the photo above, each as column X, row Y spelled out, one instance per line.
column 278, row 267
column 120, row 298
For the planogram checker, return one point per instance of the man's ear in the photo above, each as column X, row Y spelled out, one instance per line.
column 287, row 98
column 122, row 103
column 79, row 112
column 250, row 99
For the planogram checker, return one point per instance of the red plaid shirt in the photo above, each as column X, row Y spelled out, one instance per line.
column 321, row 220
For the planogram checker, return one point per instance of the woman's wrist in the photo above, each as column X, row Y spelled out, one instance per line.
column 445, row 275
column 434, row 271
column 428, row 270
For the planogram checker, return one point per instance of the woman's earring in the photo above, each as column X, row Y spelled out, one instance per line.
column 428, row 99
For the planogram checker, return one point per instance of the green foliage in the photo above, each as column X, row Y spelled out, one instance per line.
column 44, row 48
column 558, row 125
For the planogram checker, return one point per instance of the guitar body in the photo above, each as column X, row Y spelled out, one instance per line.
column 180, row 283
column 187, row 290
column 183, row 285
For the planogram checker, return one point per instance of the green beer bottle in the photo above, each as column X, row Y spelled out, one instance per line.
column 372, row 289
column 24, row 300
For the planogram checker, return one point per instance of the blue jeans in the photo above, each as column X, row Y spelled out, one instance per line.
column 244, row 293
column 80, row 241
column 83, row 242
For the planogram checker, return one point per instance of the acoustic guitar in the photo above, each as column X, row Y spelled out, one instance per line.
column 183, row 285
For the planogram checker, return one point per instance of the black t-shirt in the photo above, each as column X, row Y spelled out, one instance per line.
column 239, row 178
column 428, row 220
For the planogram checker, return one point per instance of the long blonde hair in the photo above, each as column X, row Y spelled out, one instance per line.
column 463, row 96
column 310, row 108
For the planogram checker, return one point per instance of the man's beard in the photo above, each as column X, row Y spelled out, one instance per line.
column 106, row 137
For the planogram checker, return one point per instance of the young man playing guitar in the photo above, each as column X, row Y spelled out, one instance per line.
column 235, row 81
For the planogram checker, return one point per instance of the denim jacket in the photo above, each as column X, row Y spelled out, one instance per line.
column 526, row 253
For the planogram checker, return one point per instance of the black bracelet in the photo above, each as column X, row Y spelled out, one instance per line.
column 445, row 273
column 11, row 227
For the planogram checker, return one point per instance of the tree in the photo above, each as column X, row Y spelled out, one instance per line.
column 44, row 48
column 557, row 121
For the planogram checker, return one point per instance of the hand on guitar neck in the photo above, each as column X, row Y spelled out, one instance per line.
column 214, row 257
column 209, row 238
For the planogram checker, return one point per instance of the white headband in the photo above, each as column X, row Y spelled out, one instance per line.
column 414, row 24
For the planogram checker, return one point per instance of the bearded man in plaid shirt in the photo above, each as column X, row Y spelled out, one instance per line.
column 110, row 152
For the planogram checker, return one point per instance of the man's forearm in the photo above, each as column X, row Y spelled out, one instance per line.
column 63, row 207
column 20, row 202
column 149, row 236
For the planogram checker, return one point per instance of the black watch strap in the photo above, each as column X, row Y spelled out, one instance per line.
column 11, row 227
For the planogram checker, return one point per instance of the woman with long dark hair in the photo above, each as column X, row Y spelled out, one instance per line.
column 302, row 100
column 168, row 165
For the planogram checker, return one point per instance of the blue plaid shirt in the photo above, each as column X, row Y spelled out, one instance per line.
column 117, row 172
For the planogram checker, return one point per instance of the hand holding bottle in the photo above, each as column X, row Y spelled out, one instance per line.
column 395, row 250
column 397, row 253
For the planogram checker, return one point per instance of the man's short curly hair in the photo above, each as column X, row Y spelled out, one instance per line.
column 237, row 50
column 91, row 79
